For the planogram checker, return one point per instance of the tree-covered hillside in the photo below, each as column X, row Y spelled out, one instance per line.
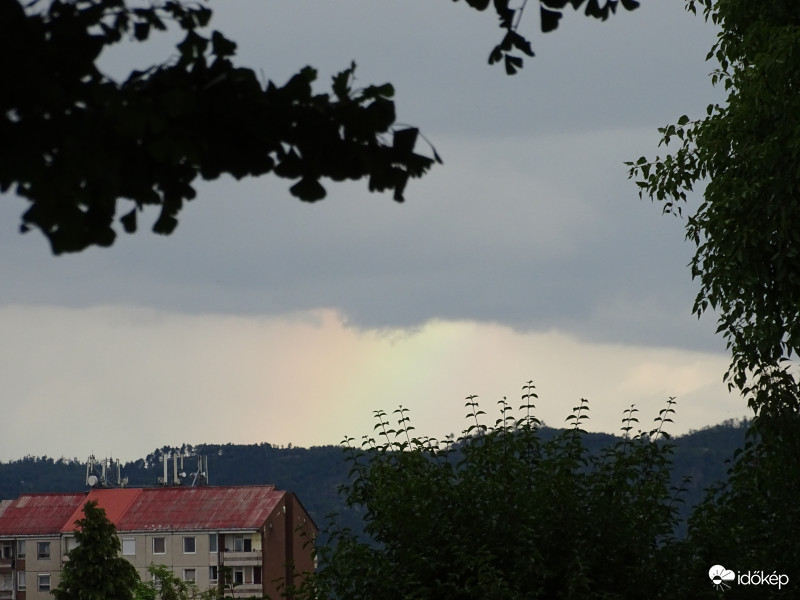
column 316, row 473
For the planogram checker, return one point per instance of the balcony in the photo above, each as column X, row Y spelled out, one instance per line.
column 242, row 559
column 247, row 590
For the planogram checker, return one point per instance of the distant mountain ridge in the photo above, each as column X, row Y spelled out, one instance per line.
column 316, row 473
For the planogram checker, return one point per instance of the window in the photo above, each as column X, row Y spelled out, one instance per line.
column 21, row 580
column 213, row 573
column 159, row 545
column 238, row 575
column 256, row 574
column 43, row 551
column 189, row 545
column 20, row 548
column 7, row 550
column 6, row 583
column 212, row 542
column 44, row 582
column 128, row 546
column 242, row 543
column 71, row 544
column 189, row 575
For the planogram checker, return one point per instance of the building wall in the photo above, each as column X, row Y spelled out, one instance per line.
column 42, row 562
column 288, row 536
column 143, row 549
column 38, row 559
column 244, row 556
column 305, row 532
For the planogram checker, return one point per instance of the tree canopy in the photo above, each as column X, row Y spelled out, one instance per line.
column 95, row 571
column 503, row 512
column 506, row 511
column 75, row 141
column 746, row 152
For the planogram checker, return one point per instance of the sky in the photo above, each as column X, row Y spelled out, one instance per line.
column 527, row 256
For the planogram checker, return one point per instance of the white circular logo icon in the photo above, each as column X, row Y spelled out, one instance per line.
column 719, row 575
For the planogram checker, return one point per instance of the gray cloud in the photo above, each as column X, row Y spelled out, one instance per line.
column 531, row 222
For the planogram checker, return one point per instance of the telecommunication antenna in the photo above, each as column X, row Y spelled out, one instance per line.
column 104, row 473
column 179, row 476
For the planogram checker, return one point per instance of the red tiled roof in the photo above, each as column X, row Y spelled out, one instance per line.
column 39, row 514
column 3, row 505
column 165, row 509
column 114, row 501
column 144, row 509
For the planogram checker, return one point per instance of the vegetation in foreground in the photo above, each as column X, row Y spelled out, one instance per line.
column 505, row 512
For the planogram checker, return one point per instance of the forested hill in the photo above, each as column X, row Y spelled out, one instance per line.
column 315, row 474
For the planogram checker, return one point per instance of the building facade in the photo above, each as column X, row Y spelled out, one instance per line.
column 261, row 537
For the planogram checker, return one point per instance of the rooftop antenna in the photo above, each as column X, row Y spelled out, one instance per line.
column 165, row 459
column 179, row 476
column 104, row 473
column 200, row 476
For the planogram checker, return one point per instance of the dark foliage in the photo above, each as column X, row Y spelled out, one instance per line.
column 745, row 153
column 508, row 512
column 75, row 141
column 502, row 513
column 95, row 571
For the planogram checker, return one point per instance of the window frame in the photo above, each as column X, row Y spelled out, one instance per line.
column 193, row 544
column 213, row 542
column 213, row 573
column 245, row 542
column 20, row 548
column 127, row 541
column 40, row 554
column 191, row 570
column 163, row 543
column 41, row 586
column 22, row 581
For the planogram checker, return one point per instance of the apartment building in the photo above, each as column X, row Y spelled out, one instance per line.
column 261, row 534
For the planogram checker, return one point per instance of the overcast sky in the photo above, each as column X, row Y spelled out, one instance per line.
column 526, row 256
